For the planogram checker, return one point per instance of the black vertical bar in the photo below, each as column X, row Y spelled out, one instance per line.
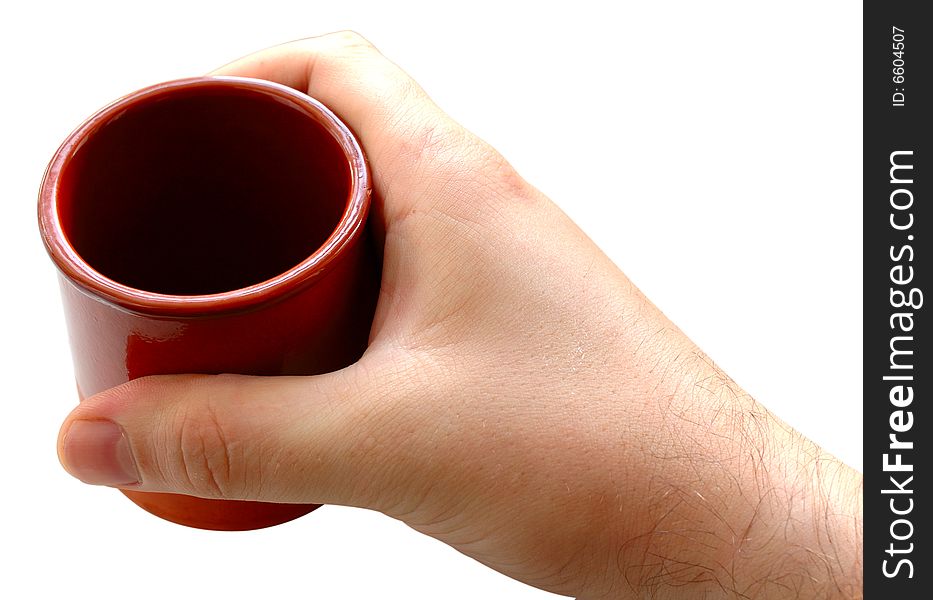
column 898, row 110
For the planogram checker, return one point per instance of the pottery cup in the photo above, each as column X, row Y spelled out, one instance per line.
column 211, row 225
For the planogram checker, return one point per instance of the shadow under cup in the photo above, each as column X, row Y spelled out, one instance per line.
column 211, row 225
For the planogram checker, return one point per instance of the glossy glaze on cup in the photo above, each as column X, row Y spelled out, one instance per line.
column 138, row 212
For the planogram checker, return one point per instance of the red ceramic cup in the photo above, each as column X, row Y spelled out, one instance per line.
column 211, row 225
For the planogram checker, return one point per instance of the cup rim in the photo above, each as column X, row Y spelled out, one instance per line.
column 77, row 270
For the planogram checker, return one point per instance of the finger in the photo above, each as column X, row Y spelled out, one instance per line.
column 349, row 75
column 284, row 439
column 408, row 139
column 343, row 70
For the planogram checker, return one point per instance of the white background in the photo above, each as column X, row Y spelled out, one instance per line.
column 712, row 149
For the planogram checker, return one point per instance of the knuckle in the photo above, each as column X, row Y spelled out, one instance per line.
column 497, row 172
column 476, row 178
column 465, row 161
column 349, row 40
column 205, row 462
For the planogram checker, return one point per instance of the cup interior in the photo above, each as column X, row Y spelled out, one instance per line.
column 202, row 190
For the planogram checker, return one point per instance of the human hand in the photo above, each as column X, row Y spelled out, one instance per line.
column 520, row 399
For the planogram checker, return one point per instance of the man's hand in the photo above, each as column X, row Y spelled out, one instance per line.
column 520, row 399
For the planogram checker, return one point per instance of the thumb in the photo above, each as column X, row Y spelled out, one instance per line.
column 272, row 439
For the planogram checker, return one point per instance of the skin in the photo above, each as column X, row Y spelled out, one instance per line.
column 520, row 399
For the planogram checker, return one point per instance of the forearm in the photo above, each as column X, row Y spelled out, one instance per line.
column 733, row 501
